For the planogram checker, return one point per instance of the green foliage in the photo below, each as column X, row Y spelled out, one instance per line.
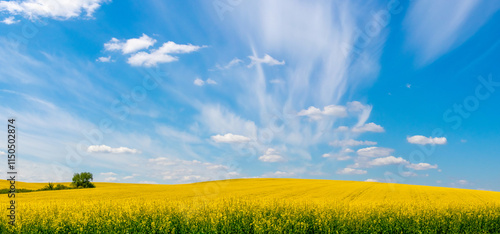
column 61, row 186
column 6, row 191
column 50, row 186
column 83, row 180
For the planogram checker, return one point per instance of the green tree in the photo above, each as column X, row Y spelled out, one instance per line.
column 83, row 180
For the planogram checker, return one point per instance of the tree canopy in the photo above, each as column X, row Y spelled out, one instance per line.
column 83, row 180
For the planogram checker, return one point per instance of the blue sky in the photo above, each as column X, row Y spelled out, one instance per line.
column 180, row 92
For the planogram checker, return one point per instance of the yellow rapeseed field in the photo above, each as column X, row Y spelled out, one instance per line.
column 255, row 206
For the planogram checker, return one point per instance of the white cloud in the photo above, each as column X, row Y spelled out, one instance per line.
column 107, row 173
column 230, row 138
column 217, row 120
column 128, row 177
column 104, row 59
column 210, row 81
column 342, row 129
column 229, row 65
column 371, row 180
column 267, row 59
column 55, row 9
column 351, row 142
column 339, row 157
column 445, row 26
column 185, row 171
column 422, row 140
column 347, row 150
column 162, row 54
column 147, row 182
column 369, row 127
column 109, row 179
column 375, row 152
column 351, row 171
column 10, row 20
column 387, row 161
column 317, row 114
column 278, row 174
column 198, row 82
column 463, row 182
column 107, row 149
column 272, row 155
column 422, row 166
column 409, row 174
column 2, row 153
column 131, row 45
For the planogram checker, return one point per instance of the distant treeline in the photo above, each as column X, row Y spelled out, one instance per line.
column 50, row 186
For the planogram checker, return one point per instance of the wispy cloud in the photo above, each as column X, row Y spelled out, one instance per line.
column 375, row 152
column 351, row 142
column 108, row 149
column 444, row 26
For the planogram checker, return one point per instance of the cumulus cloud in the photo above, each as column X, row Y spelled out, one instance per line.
column 422, row 140
column 351, row 171
column 104, row 59
column 230, row 138
column 147, row 182
column 267, row 59
column 351, row 142
column 277, row 174
column 109, row 179
column 272, row 155
column 371, row 180
column 107, row 173
column 55, row 9
column 9, row 20
column 339, row 157
column 369, row 127
column 463, row 182
column 210, row 81
column 375, row 152
column 422, row 166
column 200, row 82
column 130, row 45
column 107, row 149
column 317, row 114
column 162, row 54
column 390, row 160
column 185, row 171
